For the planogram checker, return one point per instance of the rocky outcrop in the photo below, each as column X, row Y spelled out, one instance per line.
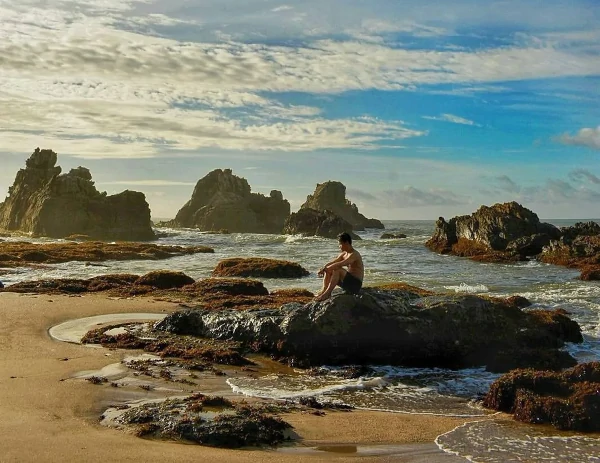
column 506, row 231
column 21, row 253
column 44, row 202
column 392, row 236
column 509, row 232
column 310, row 222
column 258, row 267
column 567, row 400
column 398, row 327
column 223, row 201
column 331, row 196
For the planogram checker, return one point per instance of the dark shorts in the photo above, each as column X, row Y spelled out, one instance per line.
column 350, row 284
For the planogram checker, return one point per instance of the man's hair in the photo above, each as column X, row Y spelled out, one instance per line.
column 345, row 238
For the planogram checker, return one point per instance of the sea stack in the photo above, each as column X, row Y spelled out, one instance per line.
column 222, row 200
column 331, row 196
column 44, row 202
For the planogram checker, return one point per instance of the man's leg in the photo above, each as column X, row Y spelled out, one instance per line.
column 335, row 278
column 326, row 280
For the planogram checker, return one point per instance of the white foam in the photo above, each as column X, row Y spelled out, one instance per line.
column 469, row 289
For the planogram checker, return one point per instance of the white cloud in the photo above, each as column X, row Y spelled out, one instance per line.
column 452, row 118
column 282, row 8
column 589, row 137
column 71, row 80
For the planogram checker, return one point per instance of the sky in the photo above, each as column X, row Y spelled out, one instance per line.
column 421, row 108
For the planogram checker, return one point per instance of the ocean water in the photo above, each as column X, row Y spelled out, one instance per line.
column 423, row 391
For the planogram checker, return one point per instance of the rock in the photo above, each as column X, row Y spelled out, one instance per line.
column 18, row 254
column 392, row 236
column 580, row 229
column 165, row 279
column 310, row 222
column 590, row 273
column 331, row 196
column 568, row 400
column 45, row 203
column 230, row 287
column 506, row 231
column 395, row 326
column 186, row 419
column 223, row 201
column 1, row 285
column 259, row 268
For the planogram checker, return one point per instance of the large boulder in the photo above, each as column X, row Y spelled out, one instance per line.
column 502, row 228
column 331, row 196
column 393, row 326
column 223, row 201
column 567, row 400
column 44, row 202
column 311, row 222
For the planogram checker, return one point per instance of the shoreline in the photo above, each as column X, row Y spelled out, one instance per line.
column 47, row 418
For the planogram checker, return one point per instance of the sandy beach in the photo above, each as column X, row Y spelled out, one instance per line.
column 46, row 416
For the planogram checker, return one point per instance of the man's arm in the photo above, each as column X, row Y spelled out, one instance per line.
column 337, row 259
column 343, row 262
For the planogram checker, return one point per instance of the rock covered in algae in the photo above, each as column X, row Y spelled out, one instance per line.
column 566, row 400
column 258, row 267
column 211, row 421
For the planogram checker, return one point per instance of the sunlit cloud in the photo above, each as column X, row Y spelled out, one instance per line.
column 452, row 118
column 588, row 137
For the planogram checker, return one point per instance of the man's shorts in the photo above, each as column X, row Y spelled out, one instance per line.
column 350, row 284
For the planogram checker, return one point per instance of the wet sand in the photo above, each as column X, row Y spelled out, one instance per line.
column 45, row 416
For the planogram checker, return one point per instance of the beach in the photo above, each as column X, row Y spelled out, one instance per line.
column 49, row 416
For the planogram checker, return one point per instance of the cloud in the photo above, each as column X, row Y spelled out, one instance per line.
column 72, row 79
column 583, row 175
column 282, row 8
column 551, row 191
column 452, row 118
column 408, row 197
column 360, row 195
column 588, row 137
column 504, row 183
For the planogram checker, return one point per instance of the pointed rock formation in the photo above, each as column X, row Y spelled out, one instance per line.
column 45, row 203
column 222, row 200
column 332, row 196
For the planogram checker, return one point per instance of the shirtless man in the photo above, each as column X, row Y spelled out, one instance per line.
column 334, row 274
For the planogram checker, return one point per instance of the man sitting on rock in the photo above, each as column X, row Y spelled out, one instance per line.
column 334, row 274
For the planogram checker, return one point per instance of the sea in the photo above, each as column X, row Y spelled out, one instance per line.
column 385, row 388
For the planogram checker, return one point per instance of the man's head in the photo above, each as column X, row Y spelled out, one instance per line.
column 345, row 240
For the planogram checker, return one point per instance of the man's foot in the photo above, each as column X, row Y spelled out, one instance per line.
column 321, row 297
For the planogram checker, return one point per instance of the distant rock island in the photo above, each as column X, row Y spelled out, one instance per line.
column 331, row 196
column 44, row 202
column 509, row 232
column 223, row 201
column 328, row 213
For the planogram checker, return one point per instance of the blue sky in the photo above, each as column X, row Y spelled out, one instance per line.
column 421, row 108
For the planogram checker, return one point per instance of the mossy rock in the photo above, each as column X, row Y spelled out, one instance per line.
column 568, row 400
column 164, row 279
column 230, row 287
column 258, row 267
